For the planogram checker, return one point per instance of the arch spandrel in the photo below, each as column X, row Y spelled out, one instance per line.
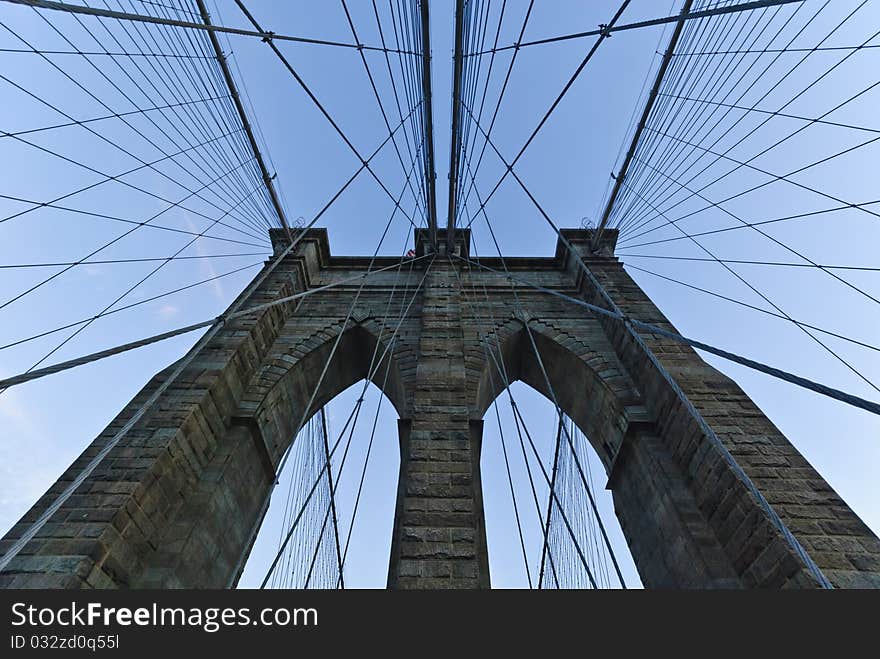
column 279, row 392
column 589, row 382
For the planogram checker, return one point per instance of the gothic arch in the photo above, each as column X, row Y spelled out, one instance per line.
column 670, row 540
column 209, row 538
column 275, row 399
column 590, row 384
column 368, row 548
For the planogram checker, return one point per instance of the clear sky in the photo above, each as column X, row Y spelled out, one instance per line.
column 45, row 424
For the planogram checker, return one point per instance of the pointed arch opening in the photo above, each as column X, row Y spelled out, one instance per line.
column 517, row 442
column 306, row 535
column 325, row 408
column 573, row 538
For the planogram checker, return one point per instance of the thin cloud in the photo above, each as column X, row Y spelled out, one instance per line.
column 168, row 310
column 206, row 265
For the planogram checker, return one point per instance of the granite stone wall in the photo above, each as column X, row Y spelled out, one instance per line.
column 179, row 499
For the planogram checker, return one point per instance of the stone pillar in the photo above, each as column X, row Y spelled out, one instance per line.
column 439, row 532
column 671, row 542
column 837, row 540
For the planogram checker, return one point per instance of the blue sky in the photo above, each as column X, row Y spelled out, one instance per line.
column 48, row 422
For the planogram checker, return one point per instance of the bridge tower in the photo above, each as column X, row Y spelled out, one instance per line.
column 709, row 493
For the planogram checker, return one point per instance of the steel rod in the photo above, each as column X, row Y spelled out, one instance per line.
column 236, row 99
column 608, row 30
column 455, row 141
column 427, row 108
column 142, row 18
column 646, row 112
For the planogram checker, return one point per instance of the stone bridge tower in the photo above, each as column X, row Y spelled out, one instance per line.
column 178, row 500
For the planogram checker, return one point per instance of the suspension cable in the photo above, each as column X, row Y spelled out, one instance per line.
column 141, row 18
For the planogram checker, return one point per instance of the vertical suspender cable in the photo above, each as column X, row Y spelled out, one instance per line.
column 427, row 109
column 331, row 489
column 649, row 105
column 236, row 99
column 455, row 142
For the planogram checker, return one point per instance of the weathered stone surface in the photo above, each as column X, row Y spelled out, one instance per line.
column 179, row 499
